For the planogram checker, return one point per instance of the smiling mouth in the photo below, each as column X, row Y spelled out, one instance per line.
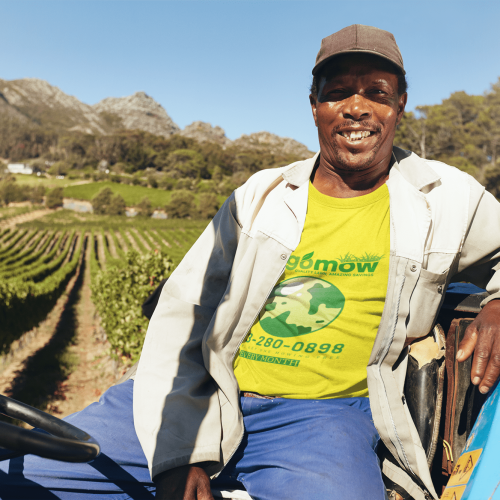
column 356, row 135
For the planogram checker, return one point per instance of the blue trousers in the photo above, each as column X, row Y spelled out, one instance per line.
column 292, row 449
column 306, row 449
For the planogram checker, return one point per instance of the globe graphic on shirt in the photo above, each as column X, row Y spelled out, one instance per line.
column 301, row 305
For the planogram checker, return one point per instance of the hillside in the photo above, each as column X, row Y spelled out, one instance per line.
column 39, row 103
column 34, row 106
column 46, row 105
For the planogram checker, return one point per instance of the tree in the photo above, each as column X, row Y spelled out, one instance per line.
column 37, row 194
column 208, row 204
column 116, row 205
column 217, row 174
column 186, row 163
column 144, row 207
column 54, row 198
column 9, row 190
column 101, row 201
column 181, row 204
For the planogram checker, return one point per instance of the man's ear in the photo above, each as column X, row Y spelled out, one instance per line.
column 313, row 102
column 401, row 107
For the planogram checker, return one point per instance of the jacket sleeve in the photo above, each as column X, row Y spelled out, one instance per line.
column 480, row 257
column 176, row 407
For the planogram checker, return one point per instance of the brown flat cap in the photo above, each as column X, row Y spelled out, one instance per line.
column 360, row 38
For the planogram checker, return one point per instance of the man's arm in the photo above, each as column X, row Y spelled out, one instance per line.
column 480, row 264
column 176, row 408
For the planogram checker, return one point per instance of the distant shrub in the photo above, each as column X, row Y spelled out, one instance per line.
column 101, row 201
column 36, row 195
column 116, row 205
column 9, row 190
column 107, row 203
column 144, row 207
column 184, row 184
column 217, row 174
column 186, row 163
column 181, row 204
column 226, row 187
column 54, row 198
column 136, row 181
column 208, row 204
column 60, row 168
column 167, row 183
column 206, row 186
column 115, row 178
column 152, row 181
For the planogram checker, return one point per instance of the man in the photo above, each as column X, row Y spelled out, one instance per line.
column 298, row 300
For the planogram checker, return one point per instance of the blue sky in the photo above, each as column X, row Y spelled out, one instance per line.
column 243, row 65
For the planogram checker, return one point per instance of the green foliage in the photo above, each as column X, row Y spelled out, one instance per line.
column 105, row 202
column 119, row 292
column 217, row 174
column 101, row 201
column 60, row 168
column 181, row 204
column 185, row 163
column 49, row 264
column 144, row 207
column 116, row 205
column 94, row 263
column 54, row 198
column 18, row 297
column 13, row 191
column 20, row 264
column 463, row 131
column 208, row 204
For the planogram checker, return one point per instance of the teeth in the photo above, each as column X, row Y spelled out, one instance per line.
column 356, row 135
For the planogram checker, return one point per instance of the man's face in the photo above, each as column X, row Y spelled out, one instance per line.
column 356, row 111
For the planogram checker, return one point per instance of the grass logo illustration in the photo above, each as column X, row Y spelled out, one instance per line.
column 301, row 305
column 345, row 264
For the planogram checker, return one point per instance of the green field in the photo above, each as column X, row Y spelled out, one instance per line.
column 8, row 212
column 34, row 180
column 131, row 194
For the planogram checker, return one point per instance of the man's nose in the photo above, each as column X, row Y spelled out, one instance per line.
column 357, row 108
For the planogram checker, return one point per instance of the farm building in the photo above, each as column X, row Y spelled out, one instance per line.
column 19, row 168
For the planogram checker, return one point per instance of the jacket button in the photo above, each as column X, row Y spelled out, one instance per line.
column 283, row 256
column 413, row 268
column 440, row 288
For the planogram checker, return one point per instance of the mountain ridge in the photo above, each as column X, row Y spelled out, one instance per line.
column 37, row 102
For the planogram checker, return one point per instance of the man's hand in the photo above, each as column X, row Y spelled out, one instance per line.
column 189, row 482
column 483, row 338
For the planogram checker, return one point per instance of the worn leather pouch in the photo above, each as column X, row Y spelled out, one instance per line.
column 463, row 399
column 424, row 388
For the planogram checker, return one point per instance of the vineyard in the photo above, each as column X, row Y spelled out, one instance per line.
column 48, row 265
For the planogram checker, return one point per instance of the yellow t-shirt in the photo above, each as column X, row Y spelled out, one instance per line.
column 315, row 333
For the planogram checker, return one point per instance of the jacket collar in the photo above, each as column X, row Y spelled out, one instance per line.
column 414, row 169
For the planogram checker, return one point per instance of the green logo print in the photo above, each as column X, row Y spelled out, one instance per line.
column 301, row 305
column 346, row 264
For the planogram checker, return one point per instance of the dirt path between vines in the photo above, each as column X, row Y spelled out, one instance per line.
column 95, row 371
column 18, row 219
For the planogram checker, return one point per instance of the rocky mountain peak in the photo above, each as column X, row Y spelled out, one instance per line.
column 273, row 142
column 46, row 104
column 139, row 111
column 205, row 132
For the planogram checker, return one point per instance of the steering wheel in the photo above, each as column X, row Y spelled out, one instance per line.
column 64, row 442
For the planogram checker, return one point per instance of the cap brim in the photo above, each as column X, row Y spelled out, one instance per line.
column 350, row 51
